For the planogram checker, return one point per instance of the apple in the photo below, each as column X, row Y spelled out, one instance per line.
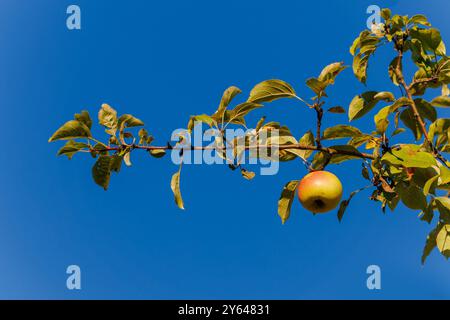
column 319, row 191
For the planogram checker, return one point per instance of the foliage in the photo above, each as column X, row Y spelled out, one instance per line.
column 413, row 172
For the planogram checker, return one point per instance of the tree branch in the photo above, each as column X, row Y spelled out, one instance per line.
column 319, row 113
column 413, row 107
column 330, row 151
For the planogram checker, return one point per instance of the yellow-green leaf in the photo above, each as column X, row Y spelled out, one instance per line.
column 157, row 153
column 101, row 172
column 72, row 147
column 443, row 240
column 71, row 130
column 270, row 90
column 107, row 116
column 286, row 199
column 227, row 96
column 85, row 118
column 175, row 186
column 441, row 101
column 341, row 131
column 409, row 156
column 365, row 102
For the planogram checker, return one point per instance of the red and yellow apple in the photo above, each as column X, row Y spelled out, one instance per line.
column 319, row 191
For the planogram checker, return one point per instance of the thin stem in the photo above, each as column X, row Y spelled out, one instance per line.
column 300, row 99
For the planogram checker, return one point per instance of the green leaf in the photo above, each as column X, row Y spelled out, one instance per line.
column 419, row 19
column 260, row 124
column 341, row 131
column 317, row 86
column 306, row 140
column 385, row 96
column 359, row 66
column 175, row 186
column 430, row 38
column 392, row 73
column 227, row 96
column 129, row 121
column 157, row 153
column 339, row 158
column 286, row 199
column 320, row 160
column 330, row 72
column 408, row 119
column 430, row 185
column 398, row 131
column 365, row 102
column 241, row 110
column 426, row 110
column 71, row 130
column 438, row 127
column 409, row 156
column 271, row 90
column 107, row 116
column 72, row 147
column 365, row 173
column 337, row 109
column 412, row 196
column 101, row 171
column 204, row 118
column 430, row 244
column 443, row 241
column 116, row 163
column 442, row 101
column 381, row 119
column 367, row 45
column 443, row 205
column 344, row 203
column 385, row 13
column 85, row 118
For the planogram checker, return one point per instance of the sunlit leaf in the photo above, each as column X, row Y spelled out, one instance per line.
column 129, row 121
column 227, row 96
column 365, row 102
column 409, row 156
column 306, row 140
column 329, row 73
column 157, row 153
column 107, row 116
column 341, row 131
column 175, row 186
column 270, row 90
column 71, row 130
column 419, row 19
column 441, row 101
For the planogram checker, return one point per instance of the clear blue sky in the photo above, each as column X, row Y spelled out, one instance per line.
column 163, row 61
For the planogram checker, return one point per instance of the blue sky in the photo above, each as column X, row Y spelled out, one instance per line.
column 163, row 61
